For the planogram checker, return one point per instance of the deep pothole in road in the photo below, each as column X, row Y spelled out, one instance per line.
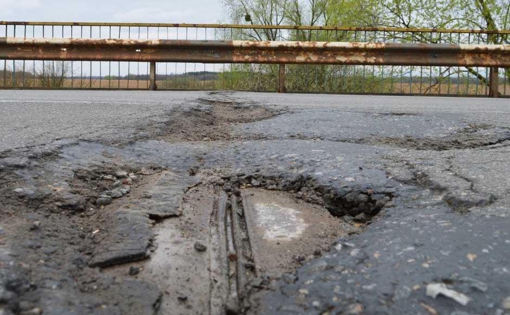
column 206, row 241
column 235, row 234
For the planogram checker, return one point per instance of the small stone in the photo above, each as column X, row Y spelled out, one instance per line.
column 354, row 309
column 199, row 247
column 362, row 198
column 117, row 193
column 34, row 311
column 133, row 271
column 35, row 226
column 317, row 252
column 117, row 184
column 133, row 176
column 362, row 218
column 300, row 258
column 127, row 181
column 104, row 201
column 255, row 183
column 249, row 266
column 125, row 189
column 506, row 303
column 381, row 203
column 106, row 193
column 304, row 291
column 121, row 174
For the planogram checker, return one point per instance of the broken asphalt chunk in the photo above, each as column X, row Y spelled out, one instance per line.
column 128, row 238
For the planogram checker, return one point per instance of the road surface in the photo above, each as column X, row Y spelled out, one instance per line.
column 197, row 202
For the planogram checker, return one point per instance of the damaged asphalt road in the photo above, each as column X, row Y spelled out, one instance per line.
column 245, row 203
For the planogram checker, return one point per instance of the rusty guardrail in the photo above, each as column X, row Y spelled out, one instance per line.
column 263, row 52
column 323, row 78
column 254, row 52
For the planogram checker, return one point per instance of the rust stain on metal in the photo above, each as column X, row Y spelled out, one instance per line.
column 254, row 52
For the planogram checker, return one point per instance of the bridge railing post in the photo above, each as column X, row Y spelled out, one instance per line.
column 281, row 79
column 494, row 82
column 152, row 76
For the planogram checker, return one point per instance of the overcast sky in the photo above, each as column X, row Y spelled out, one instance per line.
column 163, row 11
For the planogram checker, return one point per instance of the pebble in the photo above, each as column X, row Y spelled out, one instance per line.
column 104, row 201
column 125, row 189
column 34, row 311
column 506, row 303
column 127, row 181
column 121, row 174
column 35, row 226
column 117, row 193
column 354, row 309
column 199, row 247
column 133, row 271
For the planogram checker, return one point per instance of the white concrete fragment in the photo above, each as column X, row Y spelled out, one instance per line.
column 434, row 289
column 280, row 223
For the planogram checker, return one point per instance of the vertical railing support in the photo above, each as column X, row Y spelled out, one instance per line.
column 494, row 82
column 281, row 81
column 152, row 76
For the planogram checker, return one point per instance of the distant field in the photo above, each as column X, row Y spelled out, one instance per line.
column 180, row 84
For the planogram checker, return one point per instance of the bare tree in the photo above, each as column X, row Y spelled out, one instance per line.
column 53, row 74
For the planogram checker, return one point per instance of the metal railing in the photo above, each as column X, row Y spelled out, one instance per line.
column 363, row 79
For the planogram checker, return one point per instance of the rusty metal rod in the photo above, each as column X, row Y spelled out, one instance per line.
column 494, row 82
column 263, row 52
column 152, row 76
column 246, row 26
column 281, row 79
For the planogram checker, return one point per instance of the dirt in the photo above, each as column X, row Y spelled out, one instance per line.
column 212, row 122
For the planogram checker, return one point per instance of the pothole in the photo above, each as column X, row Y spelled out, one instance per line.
column 222, row 246
column 475, row 136
column 211, row 121
column 231, row 236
